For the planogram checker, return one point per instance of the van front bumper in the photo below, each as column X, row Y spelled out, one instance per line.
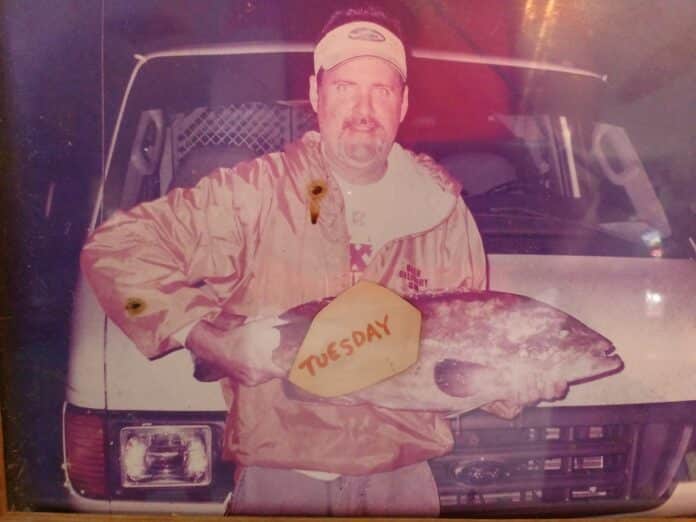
column 88, row 505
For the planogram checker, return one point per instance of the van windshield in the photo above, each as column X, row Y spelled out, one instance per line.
column 540, row 172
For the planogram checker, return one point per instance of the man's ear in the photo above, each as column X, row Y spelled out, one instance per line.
column 313, row 93
column 404, row 104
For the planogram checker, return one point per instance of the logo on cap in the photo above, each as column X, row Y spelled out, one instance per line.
column 366, row 33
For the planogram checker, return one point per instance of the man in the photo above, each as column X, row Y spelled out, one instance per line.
column 289, row 228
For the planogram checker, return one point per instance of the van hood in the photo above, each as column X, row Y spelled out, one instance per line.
column 644, row 306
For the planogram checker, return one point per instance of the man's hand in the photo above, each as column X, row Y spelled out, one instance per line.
column 466, row 379
column 538, row 386
column 242, row 349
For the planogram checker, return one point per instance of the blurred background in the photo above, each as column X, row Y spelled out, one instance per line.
column 65, row 65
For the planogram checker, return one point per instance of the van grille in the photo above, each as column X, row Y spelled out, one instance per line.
column 574, row 460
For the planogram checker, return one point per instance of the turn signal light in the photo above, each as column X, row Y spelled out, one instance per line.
column 85, row 435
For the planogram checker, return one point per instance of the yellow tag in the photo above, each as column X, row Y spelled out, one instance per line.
column 364, row 336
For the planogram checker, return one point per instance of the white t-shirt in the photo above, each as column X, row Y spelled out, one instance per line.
column 404, row 201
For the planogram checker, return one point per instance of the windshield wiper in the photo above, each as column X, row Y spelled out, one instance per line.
column 515, row 211
column 522, row 211
column 516, row 186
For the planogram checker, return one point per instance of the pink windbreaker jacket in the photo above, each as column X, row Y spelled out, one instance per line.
column 242, row 241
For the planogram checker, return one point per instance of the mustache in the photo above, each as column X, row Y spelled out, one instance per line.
column 361, row 122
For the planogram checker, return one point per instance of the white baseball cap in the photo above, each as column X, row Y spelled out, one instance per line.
column 356, row 39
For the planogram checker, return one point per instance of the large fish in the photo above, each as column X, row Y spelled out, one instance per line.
column 508, row 339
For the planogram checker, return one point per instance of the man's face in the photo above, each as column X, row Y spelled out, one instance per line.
column 359, row 104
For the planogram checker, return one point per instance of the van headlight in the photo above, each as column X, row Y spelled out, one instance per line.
column 165, row 456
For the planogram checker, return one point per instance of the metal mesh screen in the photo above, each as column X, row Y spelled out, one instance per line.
column 260, row 127
column 303, row 119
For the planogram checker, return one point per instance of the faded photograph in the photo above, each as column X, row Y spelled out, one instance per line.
column 367, row 258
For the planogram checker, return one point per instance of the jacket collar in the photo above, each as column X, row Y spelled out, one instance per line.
column 309, row 173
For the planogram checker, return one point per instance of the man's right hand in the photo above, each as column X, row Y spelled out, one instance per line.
column 242, row 350
column 518, row 393
column 463, row 379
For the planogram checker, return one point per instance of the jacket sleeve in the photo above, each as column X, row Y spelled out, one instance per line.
column 149, row 265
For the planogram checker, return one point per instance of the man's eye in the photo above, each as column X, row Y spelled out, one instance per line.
column 341, row 87
column 383, row 91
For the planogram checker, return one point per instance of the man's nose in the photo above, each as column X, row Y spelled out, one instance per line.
column 363, row 104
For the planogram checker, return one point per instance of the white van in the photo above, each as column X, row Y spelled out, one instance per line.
column 568, row 216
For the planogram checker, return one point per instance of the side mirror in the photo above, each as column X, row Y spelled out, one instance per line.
column 145, row 154
column 621, row 165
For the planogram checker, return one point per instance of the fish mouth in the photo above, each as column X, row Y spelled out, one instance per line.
column 612, row 364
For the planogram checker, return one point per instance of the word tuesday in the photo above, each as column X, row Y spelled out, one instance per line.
column 335, row 350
